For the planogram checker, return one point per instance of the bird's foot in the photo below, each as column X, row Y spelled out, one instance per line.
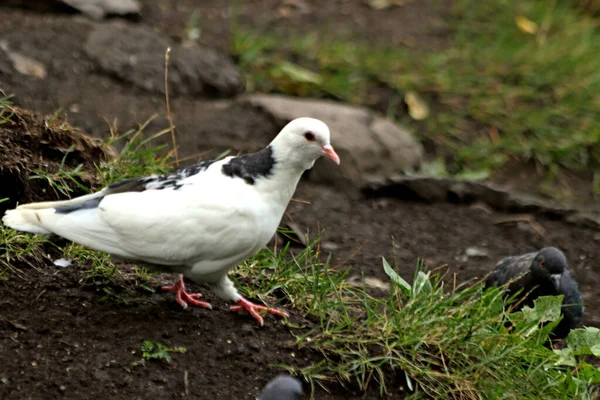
column 183, row 297
column 253, row 309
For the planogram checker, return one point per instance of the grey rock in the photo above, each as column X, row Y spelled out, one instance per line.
column 23, row 64
column 475, row 251
column 368, row 145
column 136, row 54
column 442, row 189
column 369, row 282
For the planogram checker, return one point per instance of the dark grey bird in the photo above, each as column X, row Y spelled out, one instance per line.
column 541, row 273
column 572, row 308
column 283, row 387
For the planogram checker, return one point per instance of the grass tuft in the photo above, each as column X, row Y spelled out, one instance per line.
column 18, row 248
column 138, row 156
column 63, row 181
column 6, row 110
column 158, row 352
column 424, row 339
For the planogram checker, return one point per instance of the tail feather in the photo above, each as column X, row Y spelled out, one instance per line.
column 61, row 203
column 25, row 220
column 84, row 227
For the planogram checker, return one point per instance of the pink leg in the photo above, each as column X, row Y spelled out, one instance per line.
column 184, row 297
column 252, row 308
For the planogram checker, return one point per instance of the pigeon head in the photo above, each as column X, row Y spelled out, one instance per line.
column 301, row 142
column 282, row 387
column 550, row 263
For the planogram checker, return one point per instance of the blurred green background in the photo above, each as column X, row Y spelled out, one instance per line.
column 514, row 86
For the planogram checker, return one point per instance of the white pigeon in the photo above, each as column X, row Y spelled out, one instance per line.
column 199, row 221
column 283, row 387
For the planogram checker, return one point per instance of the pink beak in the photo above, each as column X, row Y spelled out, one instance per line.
column 331, row 154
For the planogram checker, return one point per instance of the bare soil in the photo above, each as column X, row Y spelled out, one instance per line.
column 63, row 336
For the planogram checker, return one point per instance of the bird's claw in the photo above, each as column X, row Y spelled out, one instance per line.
column 253, row 309
column 184, row 298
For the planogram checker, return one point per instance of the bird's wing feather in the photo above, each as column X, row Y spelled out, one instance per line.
column 191, row 214
column 175, row 229
column 192, row 174
column 509, row 268
column 168, row 227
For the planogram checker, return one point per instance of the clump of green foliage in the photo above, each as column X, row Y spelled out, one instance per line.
column 424, row 338
column 158, row 352
column 19, row 248
column 139, row 155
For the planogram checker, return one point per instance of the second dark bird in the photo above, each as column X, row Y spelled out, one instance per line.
column 544, row 273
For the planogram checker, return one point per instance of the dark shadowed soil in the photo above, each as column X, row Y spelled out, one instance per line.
column 29, row 142
column 64, row 337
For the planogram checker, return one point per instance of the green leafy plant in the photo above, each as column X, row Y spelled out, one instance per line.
column 158, row 352
column 431, row 340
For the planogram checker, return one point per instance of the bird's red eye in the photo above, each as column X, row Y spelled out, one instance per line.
column 542, row 264
column 309, row 136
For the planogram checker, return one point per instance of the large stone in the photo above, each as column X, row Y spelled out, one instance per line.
column 136, row 54
column 433, row 189
column 369, row 146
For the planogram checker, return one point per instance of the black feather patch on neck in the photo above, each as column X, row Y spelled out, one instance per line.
column 249, row 167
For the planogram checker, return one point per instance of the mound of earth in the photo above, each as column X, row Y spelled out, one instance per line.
column 36, row 149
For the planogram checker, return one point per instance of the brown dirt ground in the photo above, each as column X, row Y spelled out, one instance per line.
column 64, row 337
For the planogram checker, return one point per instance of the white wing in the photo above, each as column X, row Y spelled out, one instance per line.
column 161, row 226
column 195, row 216
column 170, row 228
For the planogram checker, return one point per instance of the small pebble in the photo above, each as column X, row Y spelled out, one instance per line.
column 62, row 263
column 476, row 252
